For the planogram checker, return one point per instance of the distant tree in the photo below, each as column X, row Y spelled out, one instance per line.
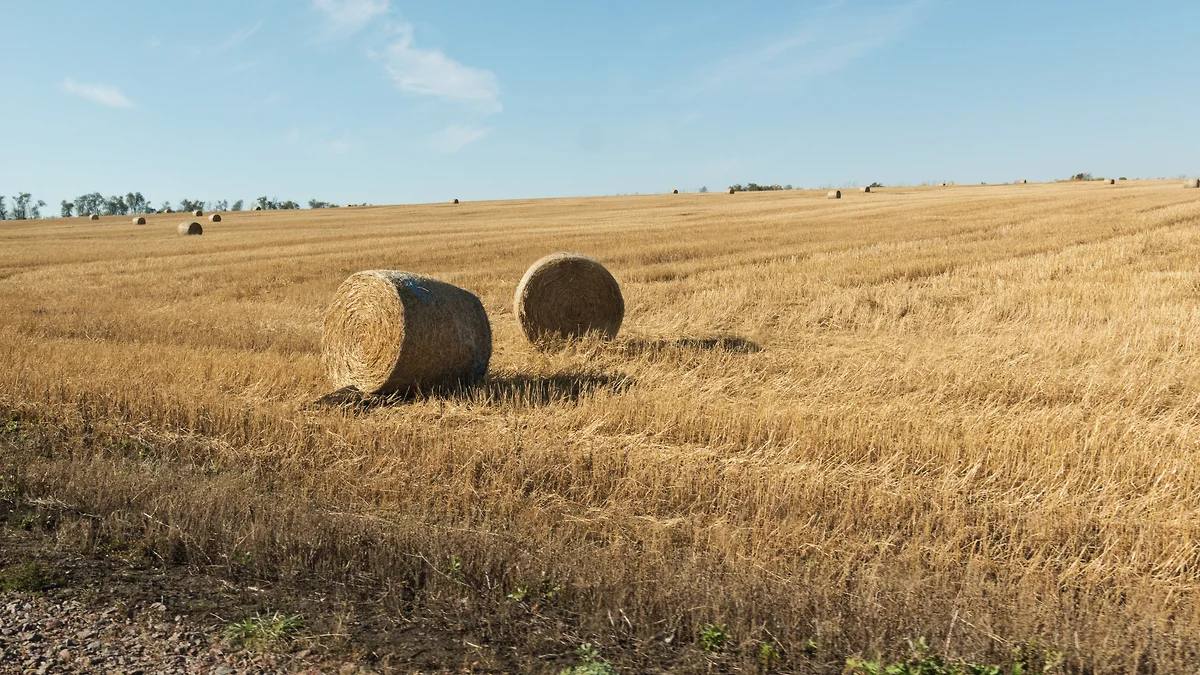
column 115, row 206
column 237, row 206
column 1082, row 176
column 222, row 205
column 264, row 203
column 703, row 188
column 166, row 208
column 289, row 205
column 35, row 211
column 66, row 208
column 20, row 210
column 3, row 212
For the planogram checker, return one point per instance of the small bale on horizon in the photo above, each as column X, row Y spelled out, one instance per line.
column 192, row 228
column 731, row 190
column 1112, row 181
column 675, row 191
column 833, row 194
column 214, row 218
column 567, row 295
column 94, row 216
column 865, row 188
column 393, row 332
column 140, row 220
column 197, row 213
column 456, row 200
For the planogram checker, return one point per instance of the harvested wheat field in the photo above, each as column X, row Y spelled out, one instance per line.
column 968, row 416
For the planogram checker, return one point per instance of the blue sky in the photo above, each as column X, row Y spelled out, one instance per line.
column 387, row 101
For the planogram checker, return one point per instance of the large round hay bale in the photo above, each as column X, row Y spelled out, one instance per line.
column 866, row 188
column 1192, row 183
column 214, row 218
column 833, row 194
column 94, row 216
column 394, row 332
column 566, row 295
column 186, row 228
column 139, row 221
column 197, row 213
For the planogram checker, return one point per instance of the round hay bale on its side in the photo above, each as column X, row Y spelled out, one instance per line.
column 1112, row 181
column 394, row 332
column 258, row 208
column 833, row 194
column 94, row 216
column 865, row 188
column 214, row 218
column 197, row 213
column 675, row 191
column 140, row 220
column 1192, row 183
column 731, row 190
column 456, row 200
column 566, row 295
column 190, row 228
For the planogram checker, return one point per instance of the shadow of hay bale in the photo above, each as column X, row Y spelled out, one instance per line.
column 520, row 390
column 724, row 343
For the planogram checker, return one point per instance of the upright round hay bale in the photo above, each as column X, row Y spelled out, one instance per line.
column 214, row 218
column 865, row 188
column 190, row 228
column 94, row 216
column 140, row 220
column 394, row 332
column 833, row 194
column 566, row 295
column 197, row 213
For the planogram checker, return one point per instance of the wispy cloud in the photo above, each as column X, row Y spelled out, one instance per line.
column 830, row 41
column 456, row 137
column 345, row 17
column 236, row 38
column 429, row 72
column 97, row 93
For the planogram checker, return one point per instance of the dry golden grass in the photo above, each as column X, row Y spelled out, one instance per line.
column 971, row 414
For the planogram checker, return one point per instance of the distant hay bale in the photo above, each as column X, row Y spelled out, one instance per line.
column 214, row 218
column 675, row 191
column 566, row 295
column 456, row 200
column 197, row 213
column 190, row 228
column 1112, row 181
column 833, row 194
column 391, row 332
column 731, row 190
column 258, row 208
column 865, row 188
column 94, row 217
column 1192, row 183
column 139, row 221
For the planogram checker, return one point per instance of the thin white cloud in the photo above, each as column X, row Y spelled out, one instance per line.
column 456, row 137
column 237, row 38
column 829, row 42
column 97, row 93
column 429, row 72
column 346, row 17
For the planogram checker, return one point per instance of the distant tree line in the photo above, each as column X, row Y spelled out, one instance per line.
column 23, row 207
column 755, row 187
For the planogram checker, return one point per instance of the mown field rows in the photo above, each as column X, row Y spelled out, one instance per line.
column 969, row 414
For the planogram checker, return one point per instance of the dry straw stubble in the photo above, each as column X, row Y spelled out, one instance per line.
column 389, row 332
column 567, row 295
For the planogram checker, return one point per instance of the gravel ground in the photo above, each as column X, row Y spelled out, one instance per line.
column 46, row 634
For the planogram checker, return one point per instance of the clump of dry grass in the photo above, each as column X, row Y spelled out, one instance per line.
column 567, row 295
column 394, row 332
column 190, row 228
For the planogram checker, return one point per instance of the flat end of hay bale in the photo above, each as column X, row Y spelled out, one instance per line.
column 94, row 217
column 567, row 295
column 139, row 221
column 214, row 218
column 833, row 194
column 190, row 229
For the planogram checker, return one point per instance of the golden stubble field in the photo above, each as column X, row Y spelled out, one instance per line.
column 966, row 413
